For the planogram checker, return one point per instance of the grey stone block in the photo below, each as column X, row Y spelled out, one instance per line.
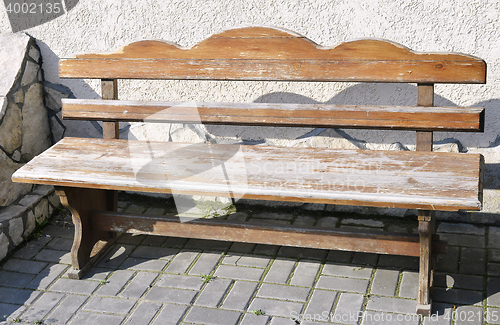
column 109, row 305
column 246, row 260
column 378, row 318
column 280, row 271
column 206, row 263
column 10, row 212
column 214, row 245
column 175, row 242
column 17, row 296
column 472, row 261
column 327, row 222
column 441, row 314
column 170, row 315
column 45, row 278
column 457, row 296
column 321, row 304
column 459, row 281
column 115, row 283
column 403, row 262
column 385, row 282
column 29, row 201
column 182, row 261
column 85, row 318
column 269, row 250
column 464, row 240
column 409, row 285
column 24, row 266
column 342, row 284
column 271, row 307
column 365, row 258
column 211, row 316
column 10, row 312
column 155, row 241
column 83, row 287
column 493, row 236
column 273, row 216
column 282, row 321
column 493, row 269
column 139, row 285
column 242, row 247
column 32, row 248
column 116, row 255
column 252, row 319
column 42, row 307
column 213, row 293
column 493, row 292
column 142, row 264
column 363, row 222
column 15, row 280
column 66, row 309
column 304, row 221
column 349, row 304
column 239, row 273
column 144, row 313
column 348, row 271
column 448, row 262
column 239, row 296
column 339, row 256
column 300, row 252
column 392, row 305
column 283, row 292
column 180, row 281
column 305, row 274
column 62, row 244
column 461, row 228
column 170, row 295
column 469, row 315
column 154, row 252
column 59, row 231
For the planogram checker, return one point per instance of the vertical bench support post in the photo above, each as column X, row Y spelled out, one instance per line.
column 426, row 219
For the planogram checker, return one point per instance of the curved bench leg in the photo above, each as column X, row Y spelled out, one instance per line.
column 426, row 230
column 88, row 245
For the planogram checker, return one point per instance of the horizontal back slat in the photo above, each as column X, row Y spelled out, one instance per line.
column 258, row 53
column 306, row 115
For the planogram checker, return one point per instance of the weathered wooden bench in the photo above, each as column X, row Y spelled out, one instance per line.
column 88, row 172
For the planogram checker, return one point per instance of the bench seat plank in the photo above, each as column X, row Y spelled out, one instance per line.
column 274, row 114
column 421, row 180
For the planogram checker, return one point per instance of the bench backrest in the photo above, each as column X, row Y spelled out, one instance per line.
column 259, row 53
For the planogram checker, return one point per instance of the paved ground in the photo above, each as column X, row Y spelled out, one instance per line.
column 160, row 280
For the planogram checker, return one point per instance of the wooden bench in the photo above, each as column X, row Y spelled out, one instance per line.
column 88, row 172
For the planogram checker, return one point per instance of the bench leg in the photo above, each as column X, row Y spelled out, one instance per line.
column 426, row 222
column 88, row 245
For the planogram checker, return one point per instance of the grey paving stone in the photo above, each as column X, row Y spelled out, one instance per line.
column 59, row 231
column 280, row 271
column 493, row 292
column 206, row 263
column 461, row 228
column 377, row 318
column 385, row 282
column 305, row 274
column 62, row 244
column 347, row 271
column 300, row 252
column 139, row 285
column 494, row 255
column 282, row 321
column 457, row 296
column 24, row 266
column 47, row 276
column 494, row 237
column 363, row 222
column 239, row 296
column 175, row 242
column 211, row 316
column 14, row 279
column 143, row 264
column 239, row 273
column 472, row 261
column 32, row 248
column 365, row 259
column 109, row 305
column 116, row 255
column 41, row 308
column 441, row 314
column 459, row 281
column 348, row 308
column 17, row 296
column 180, row 281
column 50, row 255
column 213, row 293
column 133, row 208
column 154, row 252
column 320, row 305
column 96, row 274
column 83, row 287
column 272, row 307
column 448, row 262
column 213, row 245
column 269, row 250
column 242, row 247
column 252, row 319
column 409, row 285
column 170, row 314
column 342, row 284
column 327, row 222
column 115, row 283
column 403, row 262
column 339, row 256
column 464, row 240
column 154, row 241
column 86, row 318
column 170, row 295
column 10, row 312
column 246, row 260
column 182, row 261
column 144, row 313
column 469, row 315
column 493, row 269
column 283, row 292
column 66, row 309
column 392, row 305
column 272, row 215
column 304, row 221
column 492, row 315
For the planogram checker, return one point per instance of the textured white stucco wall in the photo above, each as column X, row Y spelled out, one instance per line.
column 468, row 26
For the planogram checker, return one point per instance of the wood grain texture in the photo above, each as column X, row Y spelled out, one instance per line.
column 258, row 53
column 421, row 180
column 469, row 119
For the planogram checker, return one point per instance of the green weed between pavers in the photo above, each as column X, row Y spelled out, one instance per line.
column 207, row 278
column 258, row 312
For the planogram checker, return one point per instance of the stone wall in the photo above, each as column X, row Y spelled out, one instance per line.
column 24, row 133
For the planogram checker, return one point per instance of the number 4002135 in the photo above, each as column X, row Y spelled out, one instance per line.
column 34, row 8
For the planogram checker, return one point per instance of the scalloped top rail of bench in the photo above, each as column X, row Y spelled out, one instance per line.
column 88, row 172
